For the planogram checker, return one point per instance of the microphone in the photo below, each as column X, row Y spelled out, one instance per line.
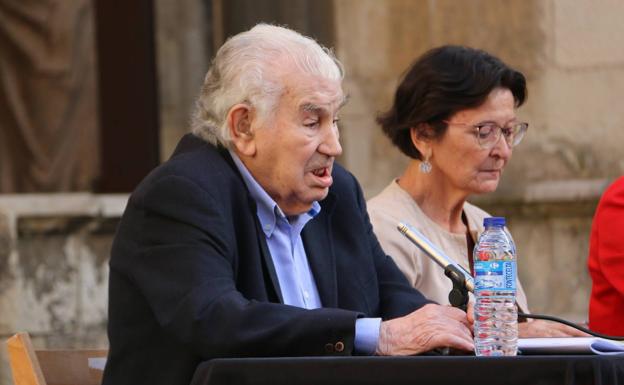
column 462, row 280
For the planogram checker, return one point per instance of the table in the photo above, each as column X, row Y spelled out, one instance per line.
column 428, row 370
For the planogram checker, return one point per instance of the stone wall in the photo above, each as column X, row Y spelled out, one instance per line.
column 54, row 251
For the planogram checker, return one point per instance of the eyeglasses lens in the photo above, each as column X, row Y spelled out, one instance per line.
column 489, row 134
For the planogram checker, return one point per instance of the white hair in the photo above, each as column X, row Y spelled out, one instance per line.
column 244, row 71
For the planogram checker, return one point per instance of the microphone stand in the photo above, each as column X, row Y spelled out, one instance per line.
column 458, row 296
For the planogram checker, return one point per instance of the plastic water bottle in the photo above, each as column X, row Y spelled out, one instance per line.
column 495, row 311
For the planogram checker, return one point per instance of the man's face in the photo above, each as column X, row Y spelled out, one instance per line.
column 297, row 145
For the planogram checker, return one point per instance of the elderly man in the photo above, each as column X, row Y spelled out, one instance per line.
column 251, row 242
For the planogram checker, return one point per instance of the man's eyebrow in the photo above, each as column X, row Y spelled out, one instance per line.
column 311, row 107
column 345, row 99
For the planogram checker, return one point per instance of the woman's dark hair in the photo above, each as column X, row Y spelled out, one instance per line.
column 443, row 81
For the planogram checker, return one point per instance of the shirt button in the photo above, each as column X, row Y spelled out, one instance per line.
column 267, row 227
column 306, row 295
column 339, row 347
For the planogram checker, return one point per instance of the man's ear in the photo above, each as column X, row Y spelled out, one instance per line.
column 239, row 120
column 421, row 139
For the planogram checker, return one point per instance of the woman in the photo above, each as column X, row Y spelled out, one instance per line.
column 606, row 262
column 454, row 114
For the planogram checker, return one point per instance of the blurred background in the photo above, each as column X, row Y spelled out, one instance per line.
column 95, row 93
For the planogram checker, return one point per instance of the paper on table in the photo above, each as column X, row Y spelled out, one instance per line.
column 97, row 363
column 569, row 345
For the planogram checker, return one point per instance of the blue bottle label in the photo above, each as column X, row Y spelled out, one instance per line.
column 495, row 275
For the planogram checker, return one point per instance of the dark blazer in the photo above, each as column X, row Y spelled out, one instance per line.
column 191, row 277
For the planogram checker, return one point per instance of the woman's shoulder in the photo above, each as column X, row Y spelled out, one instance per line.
column 612, row 200
column 615, row 190
column 390, row 195
column 390, row 202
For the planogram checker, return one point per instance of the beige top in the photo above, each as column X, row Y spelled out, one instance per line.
column 394, row 205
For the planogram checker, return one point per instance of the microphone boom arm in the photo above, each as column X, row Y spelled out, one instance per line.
column 462, row 280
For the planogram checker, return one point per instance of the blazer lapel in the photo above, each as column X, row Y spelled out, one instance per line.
column 320, row 252
column 264, row 248
column 268, row 260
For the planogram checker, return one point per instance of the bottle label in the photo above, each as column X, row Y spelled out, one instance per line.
column 495, row 275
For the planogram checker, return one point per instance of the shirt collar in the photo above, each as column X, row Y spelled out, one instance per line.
column 267, row 210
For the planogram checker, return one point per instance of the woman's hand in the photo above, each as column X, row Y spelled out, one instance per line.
column 542, row 328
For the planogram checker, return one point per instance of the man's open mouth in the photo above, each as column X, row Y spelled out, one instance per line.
column 321, row 172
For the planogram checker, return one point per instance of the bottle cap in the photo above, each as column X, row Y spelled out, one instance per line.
column 493, row 221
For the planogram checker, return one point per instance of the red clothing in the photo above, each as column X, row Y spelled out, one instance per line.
column 606, row 262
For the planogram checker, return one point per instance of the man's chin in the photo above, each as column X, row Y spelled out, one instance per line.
column 321, row 193
column 317, row 194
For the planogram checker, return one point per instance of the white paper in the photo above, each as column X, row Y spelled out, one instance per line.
column 580, row 345
column 97, row 363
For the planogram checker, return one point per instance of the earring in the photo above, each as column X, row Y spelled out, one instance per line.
column 425, row 166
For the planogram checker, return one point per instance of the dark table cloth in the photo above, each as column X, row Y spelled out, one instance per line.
column 451, row 370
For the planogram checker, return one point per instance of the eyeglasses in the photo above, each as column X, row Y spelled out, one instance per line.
column 488, row 134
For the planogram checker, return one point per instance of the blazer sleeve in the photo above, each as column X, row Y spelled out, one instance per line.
column 184, row 266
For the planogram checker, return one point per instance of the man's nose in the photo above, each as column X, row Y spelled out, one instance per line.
column 331, row 143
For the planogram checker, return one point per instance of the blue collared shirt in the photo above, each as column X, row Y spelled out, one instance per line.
column 297, row 284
